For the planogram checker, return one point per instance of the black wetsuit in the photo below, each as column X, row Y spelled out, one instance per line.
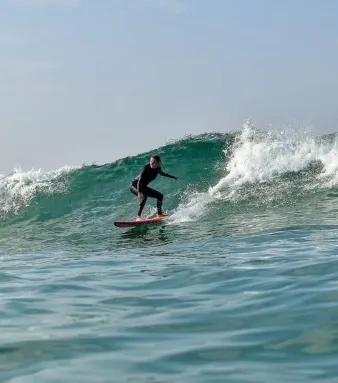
column 140, row 185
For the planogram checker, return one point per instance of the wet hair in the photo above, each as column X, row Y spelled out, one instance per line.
column 157, row 158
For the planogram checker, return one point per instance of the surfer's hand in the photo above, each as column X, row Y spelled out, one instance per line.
column 176, row 178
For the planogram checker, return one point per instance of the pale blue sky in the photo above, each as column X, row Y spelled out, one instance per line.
column 100, row 80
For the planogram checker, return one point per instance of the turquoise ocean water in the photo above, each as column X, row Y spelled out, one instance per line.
column 239, row 285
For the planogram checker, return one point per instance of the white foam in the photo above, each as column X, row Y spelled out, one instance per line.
column 18, row 188
column 258, row 158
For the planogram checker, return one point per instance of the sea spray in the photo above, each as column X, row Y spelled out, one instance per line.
column 266, row 168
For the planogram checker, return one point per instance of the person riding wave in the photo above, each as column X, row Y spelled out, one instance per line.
column 139, row 185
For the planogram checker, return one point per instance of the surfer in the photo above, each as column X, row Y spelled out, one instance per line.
column 139, row 185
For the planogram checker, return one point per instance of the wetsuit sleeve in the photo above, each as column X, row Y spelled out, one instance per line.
column 141, row 177
column 164, row 174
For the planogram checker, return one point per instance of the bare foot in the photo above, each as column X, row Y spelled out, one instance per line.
column 139, row 218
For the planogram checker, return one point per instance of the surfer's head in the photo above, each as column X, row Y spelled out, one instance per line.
column 155, row 161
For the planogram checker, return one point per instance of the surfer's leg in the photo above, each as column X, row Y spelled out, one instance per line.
column 133, row 189
column 142, row 202
column 155, row 194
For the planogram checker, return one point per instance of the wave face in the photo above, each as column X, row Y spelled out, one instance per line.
column 223, row 176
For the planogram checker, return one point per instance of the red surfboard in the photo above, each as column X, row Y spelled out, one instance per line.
column 139, row 223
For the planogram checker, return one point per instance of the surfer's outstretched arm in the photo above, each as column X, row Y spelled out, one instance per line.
column 164, row 174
